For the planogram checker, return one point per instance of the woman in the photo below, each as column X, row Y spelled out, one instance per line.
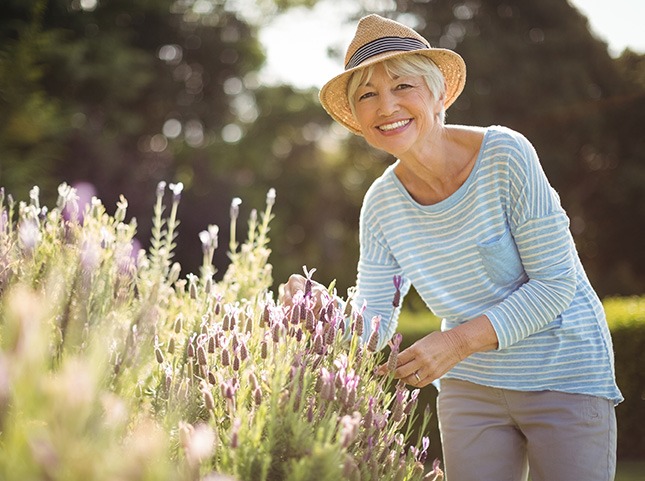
column 468, row 217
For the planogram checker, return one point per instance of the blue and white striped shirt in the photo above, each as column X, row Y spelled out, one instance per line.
column 499, row 246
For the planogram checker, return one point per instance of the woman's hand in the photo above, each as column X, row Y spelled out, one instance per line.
column 295, row 288
column 427, row 359
column 437, row 353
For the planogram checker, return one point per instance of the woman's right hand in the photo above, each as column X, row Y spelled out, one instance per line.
column 295, row 288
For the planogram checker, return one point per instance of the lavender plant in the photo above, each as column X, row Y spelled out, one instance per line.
column 114, row 366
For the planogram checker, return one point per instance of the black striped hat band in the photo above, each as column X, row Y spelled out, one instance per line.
column 381, row 45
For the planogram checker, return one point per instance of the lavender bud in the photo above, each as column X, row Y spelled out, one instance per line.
column 318, row 344
column 244, row 352
column 392, row 360
column 351, row 398
column 270, row 200
column 161, row 187
column 171, row 345
column 175, row 271
column 178, row 323
column 257, row 396
column 201, row 356
column 253, row 379
column 236, row 363
column 209, row 402
column 211, row 378
column 235, row 208
column 211, row 344
column 264, row 349
column 359, row 324
column 191, row 349
column 295, row 314
column 330, row 334
column 309, row 320
column 159, row 355
column 275, row 332
column 372, row 343
column 225, row 357
column 265, row 320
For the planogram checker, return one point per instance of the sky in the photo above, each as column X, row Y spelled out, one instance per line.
column 305, row 35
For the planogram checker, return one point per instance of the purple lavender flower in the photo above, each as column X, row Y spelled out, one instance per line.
column 308, row 283
column 359, row 322
column 394, row 344
column 398, row 282
column 412, row 402
column 397, row 410
column 372, row 343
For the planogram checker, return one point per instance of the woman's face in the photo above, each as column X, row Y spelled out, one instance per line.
column 396, row 114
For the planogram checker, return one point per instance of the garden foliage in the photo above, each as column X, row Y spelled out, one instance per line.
column 113, row 366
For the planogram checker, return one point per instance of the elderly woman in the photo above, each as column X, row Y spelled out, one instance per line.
column 467, row 216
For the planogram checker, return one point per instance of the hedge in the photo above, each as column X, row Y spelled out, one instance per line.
column 626, row 319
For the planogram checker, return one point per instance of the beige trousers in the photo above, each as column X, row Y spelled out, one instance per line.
column 501, row 435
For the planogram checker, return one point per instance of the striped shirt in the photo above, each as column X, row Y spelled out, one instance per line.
column 499, row 246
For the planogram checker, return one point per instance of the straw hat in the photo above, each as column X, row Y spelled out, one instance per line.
column 378, row 39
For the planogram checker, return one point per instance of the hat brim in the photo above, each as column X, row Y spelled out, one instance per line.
column 333, row 95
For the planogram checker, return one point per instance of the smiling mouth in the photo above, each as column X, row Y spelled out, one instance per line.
column 394, row 125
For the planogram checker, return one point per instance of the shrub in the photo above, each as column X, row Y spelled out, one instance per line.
column 114, row 367
column 626, row 318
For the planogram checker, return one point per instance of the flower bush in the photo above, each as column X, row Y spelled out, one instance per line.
column 114, row 367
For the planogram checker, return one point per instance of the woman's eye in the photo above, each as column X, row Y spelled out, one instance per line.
column 403, row 86
column 366, row 95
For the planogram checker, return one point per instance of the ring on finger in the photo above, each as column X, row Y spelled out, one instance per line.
column 416, row 374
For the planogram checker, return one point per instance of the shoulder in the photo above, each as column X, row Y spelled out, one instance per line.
column 382, row 187
column 498, row 135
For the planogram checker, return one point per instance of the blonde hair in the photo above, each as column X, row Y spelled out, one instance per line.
column 409, row 65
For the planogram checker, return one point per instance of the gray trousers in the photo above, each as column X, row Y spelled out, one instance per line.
column 499, row 434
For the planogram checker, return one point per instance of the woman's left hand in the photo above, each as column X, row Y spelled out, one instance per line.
column 437, row 353
column 427, row 359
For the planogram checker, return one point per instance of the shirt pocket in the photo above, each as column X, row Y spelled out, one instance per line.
column 501, row 259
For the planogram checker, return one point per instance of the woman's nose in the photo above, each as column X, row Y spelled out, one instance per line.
column 387, row 104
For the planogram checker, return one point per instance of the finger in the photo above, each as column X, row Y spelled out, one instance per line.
column 413, row 380
column 407, row 370
column 406, row 356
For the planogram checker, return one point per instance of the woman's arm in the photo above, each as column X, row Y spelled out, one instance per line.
column 435, row 354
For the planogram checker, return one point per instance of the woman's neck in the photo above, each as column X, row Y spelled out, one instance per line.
column 436, row 171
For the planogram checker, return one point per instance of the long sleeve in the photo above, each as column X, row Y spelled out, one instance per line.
column 540, row 231
column 375, row 287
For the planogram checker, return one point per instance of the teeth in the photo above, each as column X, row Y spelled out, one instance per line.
column 394, row 125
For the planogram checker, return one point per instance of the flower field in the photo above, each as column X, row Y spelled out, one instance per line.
column 114, row 366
